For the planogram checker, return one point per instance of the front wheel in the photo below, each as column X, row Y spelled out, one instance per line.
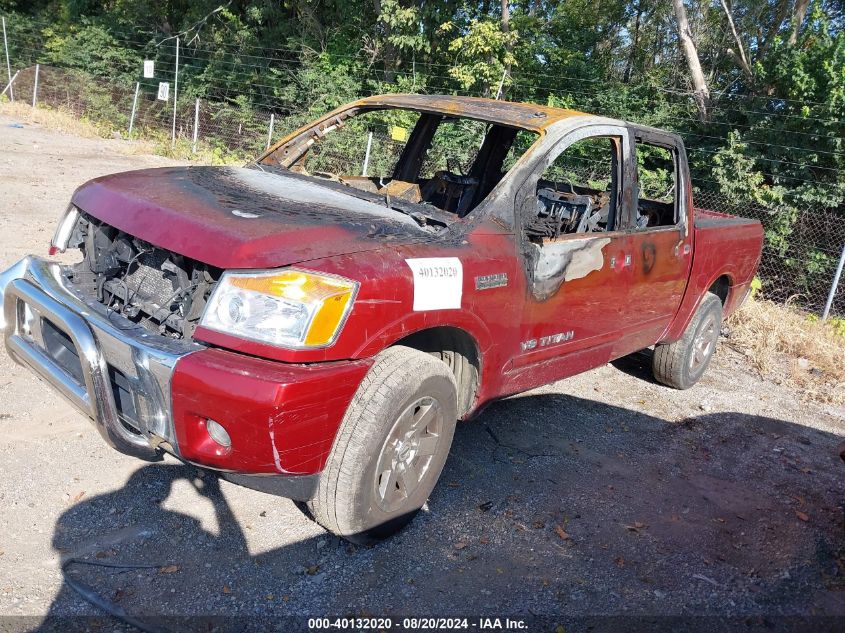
column 390, row 448
column 682, row 364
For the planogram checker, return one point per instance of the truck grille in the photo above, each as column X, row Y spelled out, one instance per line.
column 156, row 288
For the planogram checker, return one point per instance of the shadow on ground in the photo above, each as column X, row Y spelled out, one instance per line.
column 550, row 505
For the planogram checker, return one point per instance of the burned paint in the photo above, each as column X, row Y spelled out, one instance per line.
column 649, row 253
column 557, row 262
column 242, row 218
column 527, row 116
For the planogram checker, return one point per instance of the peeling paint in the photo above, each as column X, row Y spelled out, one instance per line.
column 557, row 262
column 649, row 257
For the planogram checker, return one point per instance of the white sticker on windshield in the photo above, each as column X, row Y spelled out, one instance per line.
column 438, row 283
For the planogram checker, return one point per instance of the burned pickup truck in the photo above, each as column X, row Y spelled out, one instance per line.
column 311, row 330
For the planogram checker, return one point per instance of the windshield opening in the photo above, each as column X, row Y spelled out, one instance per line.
column 451, row 163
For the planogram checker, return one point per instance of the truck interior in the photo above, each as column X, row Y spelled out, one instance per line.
column 449, row 162
column 579, row 191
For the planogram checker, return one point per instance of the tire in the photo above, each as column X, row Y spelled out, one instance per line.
column 384, row 462
column 682, row 364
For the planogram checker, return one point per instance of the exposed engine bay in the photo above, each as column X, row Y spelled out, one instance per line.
column 160, row 290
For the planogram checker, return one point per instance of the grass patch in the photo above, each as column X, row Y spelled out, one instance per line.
column 160, row 144
column 146, row 142
column 51, row 118
column 783, row 342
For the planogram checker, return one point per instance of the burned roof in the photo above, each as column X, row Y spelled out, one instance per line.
column 529, row 116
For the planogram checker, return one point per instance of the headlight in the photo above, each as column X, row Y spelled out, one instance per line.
column 64, row 230
column 289, row 308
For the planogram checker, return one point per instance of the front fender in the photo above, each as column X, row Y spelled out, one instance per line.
column 418, row 321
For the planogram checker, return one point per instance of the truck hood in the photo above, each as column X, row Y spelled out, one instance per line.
column 233, row 217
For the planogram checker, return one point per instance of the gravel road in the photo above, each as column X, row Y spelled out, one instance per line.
column 602, row 495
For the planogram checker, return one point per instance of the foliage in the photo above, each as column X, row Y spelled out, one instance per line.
column 482, row 53
column 91, row 48
column 773, row 139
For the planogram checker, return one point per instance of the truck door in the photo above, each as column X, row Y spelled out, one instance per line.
column 570, row 214
column 660, row 244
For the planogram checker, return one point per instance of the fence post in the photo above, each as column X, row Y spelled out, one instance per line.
column 9, row 85
column 196, row 124
column 8, row 63
column 367, row 154
column 834, row 285
column 270, row 130
column 134, row 106
column 35, row 86
column 175, row 97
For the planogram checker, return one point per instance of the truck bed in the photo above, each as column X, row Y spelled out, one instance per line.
column 706, row 219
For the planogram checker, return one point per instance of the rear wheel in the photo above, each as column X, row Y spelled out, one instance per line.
column 390, row 448
column 682, row 364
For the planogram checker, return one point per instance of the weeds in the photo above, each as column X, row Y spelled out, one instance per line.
column 51, row 118
column 781, row 341
column 154, row 142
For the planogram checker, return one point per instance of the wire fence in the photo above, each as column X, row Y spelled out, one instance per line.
column 801, row 251
column 800, row 255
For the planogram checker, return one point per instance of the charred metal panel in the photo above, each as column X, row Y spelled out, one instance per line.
column 527, row 116
column 242, row 218
column 554, row 263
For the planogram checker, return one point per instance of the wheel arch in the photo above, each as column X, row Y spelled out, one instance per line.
column 721, row 287
column 459, row 350
column 719, row 284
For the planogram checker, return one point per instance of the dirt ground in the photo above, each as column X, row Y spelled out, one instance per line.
column 602, row 495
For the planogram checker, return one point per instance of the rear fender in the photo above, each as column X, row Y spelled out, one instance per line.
column 696, row 291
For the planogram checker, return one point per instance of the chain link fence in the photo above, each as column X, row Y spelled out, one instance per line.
column 800, row 254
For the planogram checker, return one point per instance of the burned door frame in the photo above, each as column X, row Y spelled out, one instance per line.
column 661, row 256
column 572, row 316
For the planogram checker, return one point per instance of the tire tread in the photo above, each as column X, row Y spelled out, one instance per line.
column 331, row 504
column 670, row 359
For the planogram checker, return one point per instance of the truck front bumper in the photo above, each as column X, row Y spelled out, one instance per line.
column 148, row 393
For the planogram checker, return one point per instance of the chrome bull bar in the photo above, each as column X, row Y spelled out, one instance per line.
column 36, row 297
column 27, row 348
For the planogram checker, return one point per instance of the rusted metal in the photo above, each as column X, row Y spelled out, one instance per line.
column 527, row 116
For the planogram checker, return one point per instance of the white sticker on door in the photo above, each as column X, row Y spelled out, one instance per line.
column 438, row 283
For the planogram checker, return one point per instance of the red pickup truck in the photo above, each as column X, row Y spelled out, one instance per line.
column 307, row 329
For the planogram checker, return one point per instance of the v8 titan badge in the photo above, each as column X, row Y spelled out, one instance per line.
column 438, row 283
column 485, row 282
